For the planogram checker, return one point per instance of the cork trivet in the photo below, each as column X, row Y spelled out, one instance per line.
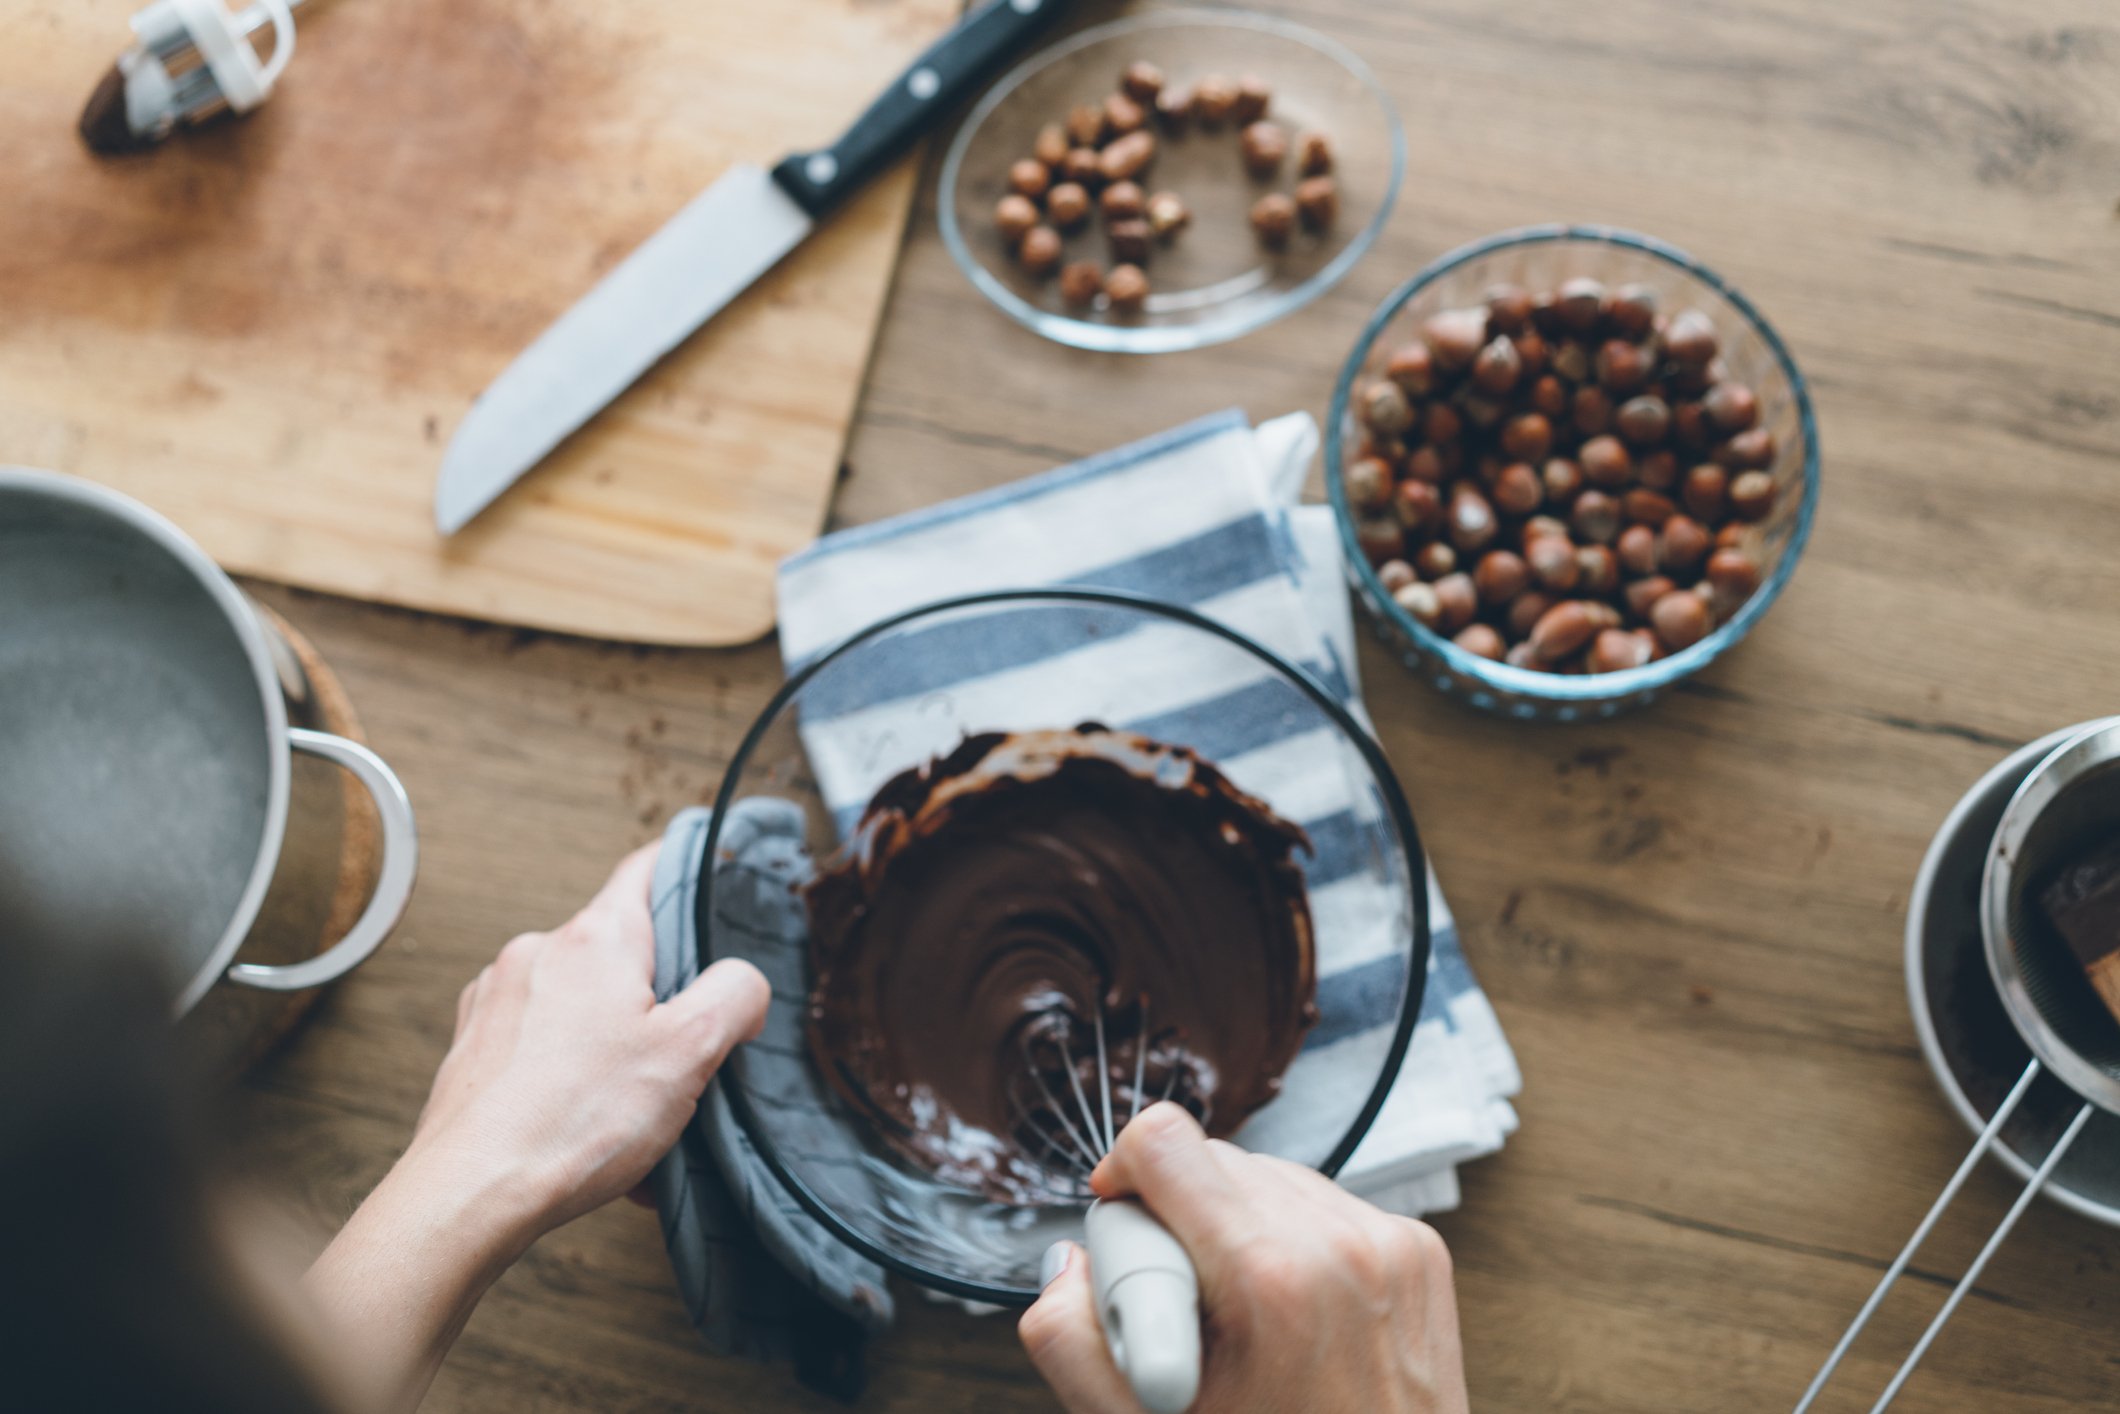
column 327, row 867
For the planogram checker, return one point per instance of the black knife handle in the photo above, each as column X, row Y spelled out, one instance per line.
column 930, row 86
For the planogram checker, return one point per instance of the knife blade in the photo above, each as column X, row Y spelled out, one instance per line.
column 714, row 249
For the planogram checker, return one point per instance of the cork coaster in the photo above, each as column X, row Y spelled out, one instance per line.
column 328, row 864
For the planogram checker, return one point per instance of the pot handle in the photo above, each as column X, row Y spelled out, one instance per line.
column 393, row 885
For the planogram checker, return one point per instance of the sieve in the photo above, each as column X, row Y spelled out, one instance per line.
column 2072, row 795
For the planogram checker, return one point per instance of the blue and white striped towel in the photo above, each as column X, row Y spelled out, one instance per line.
column 1202, row 515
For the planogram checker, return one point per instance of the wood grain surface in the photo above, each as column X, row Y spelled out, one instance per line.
column 268, row 329
column 1690, row 919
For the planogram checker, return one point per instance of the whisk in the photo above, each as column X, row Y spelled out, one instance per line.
column 1147, row 1293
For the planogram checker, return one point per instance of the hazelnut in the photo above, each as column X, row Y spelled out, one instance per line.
column 1318, row 202
column 1532, row 349
column 1615, row 650
column 1730, row 407
column 1383, row 407
column 1051, row 145
column 1590, row 410
column 1253, row 98
column 1174, row 108
column 1479, row 410
column 1597, row 569
column 1459, row 599
column 1418, row 505
column 1167, row 215
column 1500, row 576
column 1734, row 573
column 1517, row 490
column 1081, row 281
column 1265, row 148
column 1313, row 154
column 1577, row 304
column 1367, row 481
column 1528, row 436
column 1542, row 525
column 1549, row 395
column 1605, row 462
column 1426, row 464
column 1126, row 287
column 1689, row 337
column 1442, row 424
column 1622, row 367
column 1689, row 427
column 1395, row 575
column 1632, row 311
column 1472, row 521
column 1658, row 470
column 1412, row 367
column 1122, row 114
column 1273, row 217
column 1495, row 367
column 1085, row 125
column 1572, row 362
column 1455, row 337
column 1129, row 241
column 1014, row 214
column 1029, row 177
column 1519, row 656
column 1706, row 491
column 1750, row 450
column 1039, row 252
column 1127, row 156
column 1379, row 538
column 1681, row 619
column 1214, row 101
column 1508, row 309
column 1752, row 495
column 1421, row 602
column 1562, row 479
column 1067, row 205
column 1122, row 201
column 1645, row 507
column 1737, row 536
column 1595, row 518
column 1642, row 594
column 1637, row 549
column 1683, row 545
column 1561, row 630
column 1081, row 167
column 1525, row 611
column 1481, row 641
column 1644, row 421
column 1553, row 563
column 1141, row 81
column 1690, row 380
column 1435, row 559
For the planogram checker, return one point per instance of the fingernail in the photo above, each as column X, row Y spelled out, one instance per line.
column 1054, row 1263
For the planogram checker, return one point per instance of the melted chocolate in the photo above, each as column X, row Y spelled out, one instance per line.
column 992, row 905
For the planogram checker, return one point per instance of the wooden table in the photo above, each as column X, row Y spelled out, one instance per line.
column 1689, row 919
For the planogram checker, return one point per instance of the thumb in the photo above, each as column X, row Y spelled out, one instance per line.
column 724, row 1005
column 1061, row 1335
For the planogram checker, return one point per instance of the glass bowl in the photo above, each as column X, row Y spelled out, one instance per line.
column 913, row 687
column 1214, row 282
column 1540, row 257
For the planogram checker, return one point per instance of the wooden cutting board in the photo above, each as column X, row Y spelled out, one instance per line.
column 267, row 328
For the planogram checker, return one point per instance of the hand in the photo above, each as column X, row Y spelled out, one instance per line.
column 564, row 1085
column 565, row 1074
column 1313, row 1300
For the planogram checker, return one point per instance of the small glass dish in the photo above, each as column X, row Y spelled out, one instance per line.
column 1214, row 282
column 1541, row 257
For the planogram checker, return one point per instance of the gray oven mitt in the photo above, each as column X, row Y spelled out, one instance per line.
column 760, row 1276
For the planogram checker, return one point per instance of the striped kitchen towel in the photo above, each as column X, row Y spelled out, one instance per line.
column 1203, row 515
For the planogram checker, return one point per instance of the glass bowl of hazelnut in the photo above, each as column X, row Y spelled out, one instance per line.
column 1170, row 180
column 1571, row 465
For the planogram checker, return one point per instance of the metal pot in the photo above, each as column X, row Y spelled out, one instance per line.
column 145, row 751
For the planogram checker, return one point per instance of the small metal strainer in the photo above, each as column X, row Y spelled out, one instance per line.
column 2070, row 797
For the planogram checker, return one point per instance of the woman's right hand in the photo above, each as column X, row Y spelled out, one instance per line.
column 1312, row 1300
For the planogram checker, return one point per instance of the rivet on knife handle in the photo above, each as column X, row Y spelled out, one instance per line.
column 954, row 65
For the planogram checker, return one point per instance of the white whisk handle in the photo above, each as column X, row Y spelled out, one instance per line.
column 1148, row 1301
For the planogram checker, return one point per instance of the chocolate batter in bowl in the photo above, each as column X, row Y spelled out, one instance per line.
column 951, row 872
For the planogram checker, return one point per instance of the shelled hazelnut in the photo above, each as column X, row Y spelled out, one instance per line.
column 1127, row 156
column 1029, row 177
column 1081, row 281
column 1122, row 114
column 1313, row 154
column 1081, row 167
column 1122, row 201
column 1254, row 96
column 1040, row 251
column 1167, row 215
column 1585, row 465
column 1014, row 214
column 1273, row 219
column 1264, row 146
column 1051, row 145
column 1142, row 81
column 1067, row 205
column 1129, row 240
column 1214, row 100
column 1317, row 202
column 1174, row 108
column 1085, row 124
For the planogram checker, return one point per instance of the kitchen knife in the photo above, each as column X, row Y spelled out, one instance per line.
column 703, row 257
